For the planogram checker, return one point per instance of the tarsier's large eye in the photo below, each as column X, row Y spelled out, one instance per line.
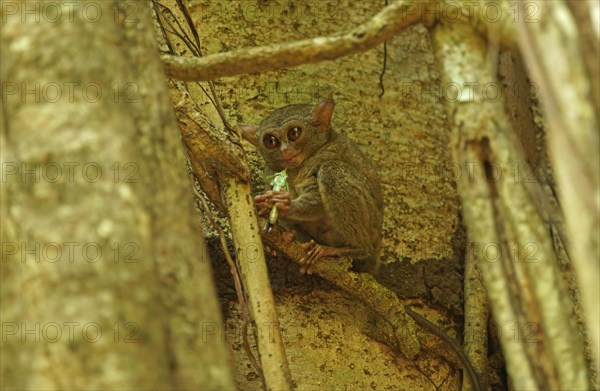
column 294, row 133
column 270, row 141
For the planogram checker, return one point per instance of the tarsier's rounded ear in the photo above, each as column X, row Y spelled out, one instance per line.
column 322, row 113
column 250, row 134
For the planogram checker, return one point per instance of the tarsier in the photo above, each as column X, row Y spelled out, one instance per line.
column 334, row 195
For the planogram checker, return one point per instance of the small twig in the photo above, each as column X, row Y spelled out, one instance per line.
column 162, row 27
column 435, row 329
column 426, row 375
column 493, row 38
column 197, row 51
column 221, row 112
column 476, row 309
column 179, row 32
column 236, row 281
column 167, row 15
column 188, row 19
column 384, row 66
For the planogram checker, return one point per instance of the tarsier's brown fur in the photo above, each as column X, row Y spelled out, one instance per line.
column 334, row 193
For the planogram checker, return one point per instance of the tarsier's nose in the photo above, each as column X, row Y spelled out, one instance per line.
column 286, row 152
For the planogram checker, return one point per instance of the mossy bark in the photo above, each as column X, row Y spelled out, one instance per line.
column 106, row 282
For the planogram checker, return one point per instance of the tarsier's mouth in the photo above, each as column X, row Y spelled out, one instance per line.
column 296, row 159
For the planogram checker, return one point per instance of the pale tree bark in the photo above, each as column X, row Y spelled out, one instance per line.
column 198, row 129
column 106, row 283
column 526, row 293
column 528, row 298
column 562, row 57
column 477, row 313
column 492, row 18
column 391, row 20
column 218, row 163
column 402, row 337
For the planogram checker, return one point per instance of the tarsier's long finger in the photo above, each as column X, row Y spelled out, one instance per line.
column 283, row 207
column 302, row 261
column 315, row 258
column 262, row 211
column 279, row 200
column 312, row 256
column 273, row 193
column 270, row 250
column 288, row 235
column 262, row 203
column 309, row 244
column 307, row 268
column 260, row 198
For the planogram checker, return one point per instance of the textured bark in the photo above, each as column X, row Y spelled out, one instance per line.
column 520, row 94
column 521, row 274
column 406, row 135
column 476, row 320
column 516, row 223
column 495, row 19
column 219, row 164
column 145, row 298
column 570, row 100
column 251, row 258
column 586, row 16
column 538, row 177
column 392, row 19
column 362, row 286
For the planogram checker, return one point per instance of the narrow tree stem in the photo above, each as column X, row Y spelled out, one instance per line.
column 250, row 254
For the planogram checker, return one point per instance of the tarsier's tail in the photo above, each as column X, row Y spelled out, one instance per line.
column 377, row 260
column 369, row 265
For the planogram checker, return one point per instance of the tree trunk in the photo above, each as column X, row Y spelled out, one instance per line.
column 104, row 269
column 569, row 91
column 528, row 296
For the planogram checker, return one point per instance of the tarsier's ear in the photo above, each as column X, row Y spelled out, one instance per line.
column 250, row 134
column 322, row 113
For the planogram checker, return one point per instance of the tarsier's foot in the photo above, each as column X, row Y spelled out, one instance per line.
column 314, row 252
column 288, row 235
column 269, row 250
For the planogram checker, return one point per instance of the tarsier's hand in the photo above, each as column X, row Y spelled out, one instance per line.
column 281, row 199
column 314, row 254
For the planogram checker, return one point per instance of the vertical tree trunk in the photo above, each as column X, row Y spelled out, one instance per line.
column 218, row 162
column 105, row 278
column 476, row 321
column 528, row 297
column 569, row 90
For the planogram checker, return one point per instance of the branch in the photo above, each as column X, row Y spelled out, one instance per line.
column 568, row 99
column 363, row 286
column 382, row 26
column 242, row 218
column 500, row 26
column 476, row 316
column 524, row 288
column 219, row 164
